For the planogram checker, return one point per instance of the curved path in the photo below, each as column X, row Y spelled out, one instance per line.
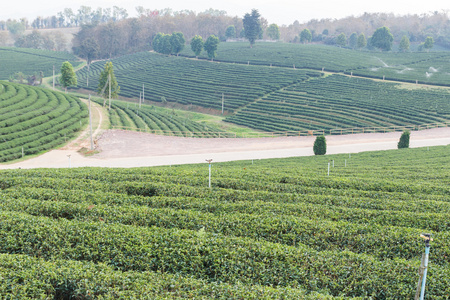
column 126, row 149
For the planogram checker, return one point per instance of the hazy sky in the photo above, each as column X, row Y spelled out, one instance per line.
column 276, row 11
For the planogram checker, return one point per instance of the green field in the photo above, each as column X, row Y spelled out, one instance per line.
column 31, row 61
column 187, row 81
column 408, row 67
column 267, row 229
column 339, row 102
column 33, row 119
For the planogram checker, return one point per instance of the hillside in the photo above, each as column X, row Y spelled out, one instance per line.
column 270, row 229
column 32, row 61
column 278, row 87
column 34, row 119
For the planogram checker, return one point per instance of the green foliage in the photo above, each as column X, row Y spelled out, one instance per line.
column 341, row 40
column 404, row 140
column 36, row 119
column 89, row 49
column 382, row 39
column 252, row 26
column 177, row 41
column 68, row 77
column 107, row 79
column 320, row 146
column 230, row 33
column 362, row 42
column 266, row 230
column 305, row 36
column 353, row 40
column 273, row 32
column 30, row 61
column 197, row 45
column 404, row 44
column 429, row 43
column 210, row 46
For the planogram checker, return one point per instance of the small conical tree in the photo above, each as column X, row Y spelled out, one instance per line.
column 404, row 140
column 320, row 146
column 68, row 76
column 102, row 89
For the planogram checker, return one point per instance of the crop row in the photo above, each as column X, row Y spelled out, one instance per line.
column 194, row 82
column 31, row 61
column 213, row 257
column 343, row 102
column 36, row 119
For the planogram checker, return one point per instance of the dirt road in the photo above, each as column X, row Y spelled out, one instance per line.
column 132, row 149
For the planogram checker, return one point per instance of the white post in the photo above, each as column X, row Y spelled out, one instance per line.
column 90, row 123
column 109, row 79
column 383, row 77
column 346, row 163
column 222, row 102
column 209, row 161
column 328, row 169
column 69, row 160
column 140, row 99
column 22, row 153
column 349, row 155
column 143, row 91
column 53, row 77
column 87, row 76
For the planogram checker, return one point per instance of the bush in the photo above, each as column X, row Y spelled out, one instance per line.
column 320, row 146
column 404, row 140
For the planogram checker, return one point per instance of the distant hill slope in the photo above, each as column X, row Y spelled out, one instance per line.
column 31, row 61
column 36, row 119
column 433, row 67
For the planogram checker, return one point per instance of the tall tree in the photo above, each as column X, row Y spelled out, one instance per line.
column 177, row 42
column 211, row 46
column 341, row 40
column 305, row 36
column 429, row 42
column 197, row 45
column 273, row 32
column 362, row 42
column 103, row 88
column 230, row 33
column 382, row 39
column 353, row 40
column 252, row 26
column 68, row 76
column 89, row 49
column 404, row 44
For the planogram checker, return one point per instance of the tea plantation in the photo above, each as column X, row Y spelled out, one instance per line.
column 31, row 61
column 340, row 102
column 267, row 229
column 34, row 119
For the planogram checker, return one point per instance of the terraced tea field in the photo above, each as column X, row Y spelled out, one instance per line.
column 186, row 81
column 340, row 102
column 31, row 61
column 269, row 229
column 34, row 119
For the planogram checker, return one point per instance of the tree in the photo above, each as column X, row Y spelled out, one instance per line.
column 320, row 146
column 273, row 32
column 429, row 42
column 211, row 46
column 305, row 36
column 252, row 26
column 177, row 42
column 230, row 33
column 353, row 40
column 404, row 44
column 404, row 140
column 362, row 42
column 341, row 40
column 382, row 39
column 157, row 42
column 197, row 45
column 68, row 76
column 103, row 88
column 89, row 49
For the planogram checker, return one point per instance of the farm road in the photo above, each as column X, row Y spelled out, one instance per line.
column 124, row 149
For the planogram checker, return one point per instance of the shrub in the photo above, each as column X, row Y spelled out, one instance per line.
column 404, row 140
column 320, row 146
